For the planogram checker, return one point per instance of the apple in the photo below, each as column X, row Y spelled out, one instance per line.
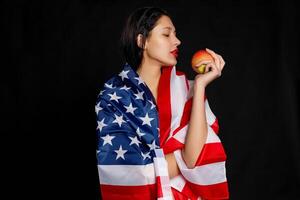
column 201, row 69
column 199, row 56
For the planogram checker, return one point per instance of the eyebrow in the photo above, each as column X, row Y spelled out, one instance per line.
column 169, row 28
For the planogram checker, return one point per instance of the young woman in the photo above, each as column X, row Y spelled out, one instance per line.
column 157, row 134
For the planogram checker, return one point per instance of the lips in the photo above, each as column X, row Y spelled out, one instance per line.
column 175, row 53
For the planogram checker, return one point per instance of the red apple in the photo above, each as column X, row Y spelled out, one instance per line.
column 197, row 58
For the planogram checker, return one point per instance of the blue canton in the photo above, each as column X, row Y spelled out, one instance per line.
column 128, row 123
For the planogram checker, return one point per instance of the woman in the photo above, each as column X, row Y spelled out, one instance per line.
column 157, row 135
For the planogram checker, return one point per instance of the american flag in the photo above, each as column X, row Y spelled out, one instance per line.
column 134, row 133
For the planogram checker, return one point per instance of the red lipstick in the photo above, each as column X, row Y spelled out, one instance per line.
column 175, row 52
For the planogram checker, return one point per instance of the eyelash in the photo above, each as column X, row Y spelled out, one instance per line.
column 167, row 35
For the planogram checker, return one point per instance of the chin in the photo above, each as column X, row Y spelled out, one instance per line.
column 170, row 63
column 173, row 63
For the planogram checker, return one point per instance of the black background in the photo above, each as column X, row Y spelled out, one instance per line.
column 59, row 53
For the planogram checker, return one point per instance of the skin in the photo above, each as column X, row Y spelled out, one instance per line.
column 160, row 42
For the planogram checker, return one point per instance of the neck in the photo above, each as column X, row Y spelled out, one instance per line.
column 150, row 73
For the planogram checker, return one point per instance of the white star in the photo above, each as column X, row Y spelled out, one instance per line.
column 98, row 108
column 101, row 124
column 140, row 80
column 101, row 92
column 152, row 146
column 108, row 86
column 152, row 104
column 107, row 139
column 140, row 134
column 146, row 120
column 120, row 153
column 123, row 74
column 119, row 120
column 125, row 88
column 146, row 155
column 139, row 95
column 134, row 140
column 114, row 97
column 130, row 109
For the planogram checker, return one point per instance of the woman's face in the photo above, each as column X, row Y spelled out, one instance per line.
column 161, row 44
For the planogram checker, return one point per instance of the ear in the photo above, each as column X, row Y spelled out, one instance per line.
column 139, row 41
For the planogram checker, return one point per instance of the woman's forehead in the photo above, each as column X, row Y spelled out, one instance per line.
column 164, row 23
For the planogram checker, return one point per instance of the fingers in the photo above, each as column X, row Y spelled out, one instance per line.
column 213, row 68
column 217, row 58
column 207, row 68
column 203, row 62
column 222, row 62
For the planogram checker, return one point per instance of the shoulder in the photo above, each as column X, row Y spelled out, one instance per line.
column 112, row 84
column 115, row 92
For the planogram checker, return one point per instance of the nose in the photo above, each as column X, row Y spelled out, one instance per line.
column 177, row 41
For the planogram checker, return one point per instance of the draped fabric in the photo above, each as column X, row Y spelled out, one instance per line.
column 208, row 179
column 134, row 133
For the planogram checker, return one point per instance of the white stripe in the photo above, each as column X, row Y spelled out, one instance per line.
column 202, row 175
column 180, row 135
column 211, row 135
column 210, row 117
column 165, row 186
column 165, row 198
column 178, row 182
column 126, row 174
column 178, row 94
column 161, row 167
column 161, row 170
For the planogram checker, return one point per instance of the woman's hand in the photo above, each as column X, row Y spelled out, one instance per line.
column 213, row 70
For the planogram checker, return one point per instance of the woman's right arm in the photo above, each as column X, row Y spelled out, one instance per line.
column 197, row 131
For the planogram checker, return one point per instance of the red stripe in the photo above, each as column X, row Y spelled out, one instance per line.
column 171, row 145
column 188, row 192
column 215, row 126
column 184, row 195
column 158, row 187
column 186, row 117
column 164, row 104
column 110, row 192
column 211, row 152
column 210, row 192
column 186, row 114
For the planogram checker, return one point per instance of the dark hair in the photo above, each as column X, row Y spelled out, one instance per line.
column 140, row 21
